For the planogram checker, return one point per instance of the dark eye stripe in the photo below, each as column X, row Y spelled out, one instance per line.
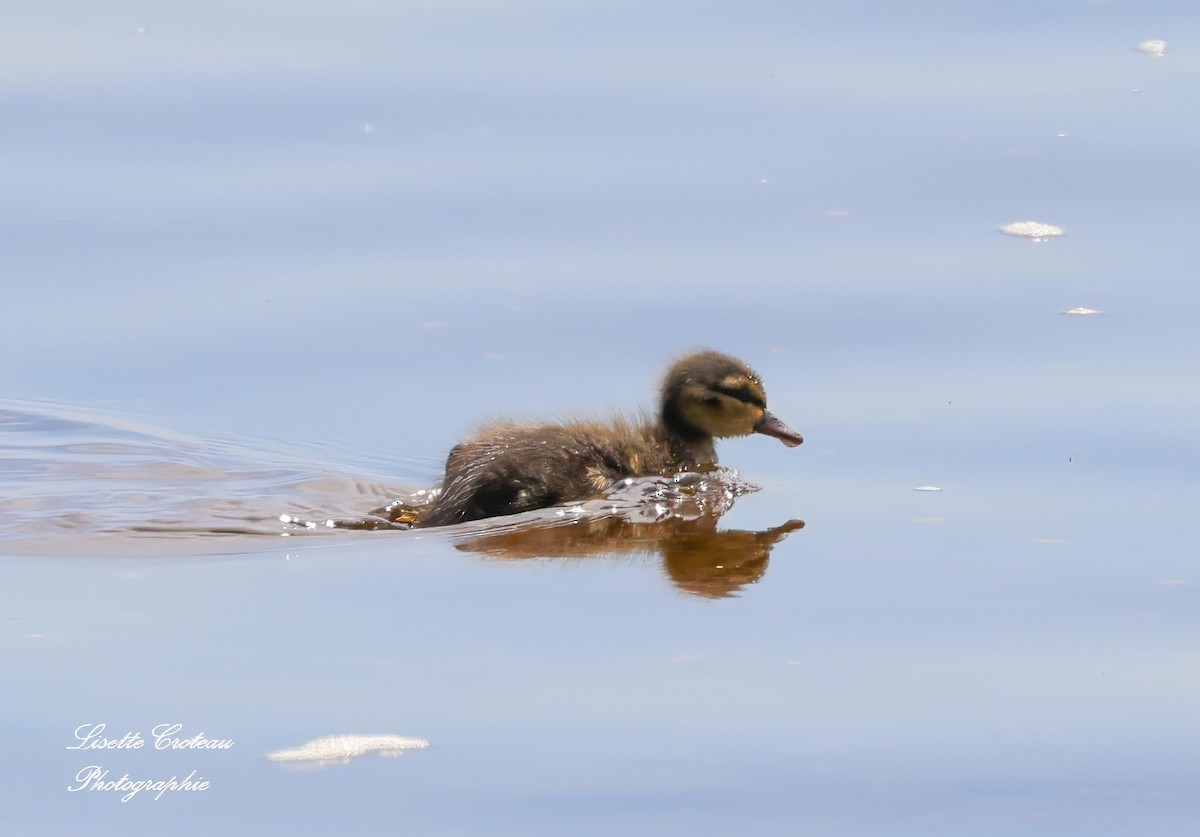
column 741, row 395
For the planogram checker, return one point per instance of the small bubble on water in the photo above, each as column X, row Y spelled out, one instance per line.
column 1153, row 46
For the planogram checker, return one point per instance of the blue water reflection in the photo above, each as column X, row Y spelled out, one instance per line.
column 271, row 251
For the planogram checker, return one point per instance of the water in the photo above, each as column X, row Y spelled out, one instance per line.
column 270, row 260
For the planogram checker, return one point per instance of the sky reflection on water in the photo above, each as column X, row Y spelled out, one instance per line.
column 319, row 243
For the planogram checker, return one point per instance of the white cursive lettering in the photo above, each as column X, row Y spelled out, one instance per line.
column 164, row 739
column 93, row 777
column 91, row 737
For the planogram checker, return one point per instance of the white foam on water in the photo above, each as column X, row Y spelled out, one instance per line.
column 339, row 749
column 1035, row 230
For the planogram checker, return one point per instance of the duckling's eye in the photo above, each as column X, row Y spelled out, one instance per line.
column 741, row 395
column 711, row 401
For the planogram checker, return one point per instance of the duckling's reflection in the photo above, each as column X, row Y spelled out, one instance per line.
column 699, row 558
column 674, row 517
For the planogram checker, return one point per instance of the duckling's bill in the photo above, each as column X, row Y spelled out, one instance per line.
column 768, row 425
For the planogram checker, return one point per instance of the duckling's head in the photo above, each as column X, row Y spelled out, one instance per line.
column 708, row 394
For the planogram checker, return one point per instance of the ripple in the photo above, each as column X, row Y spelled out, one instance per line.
column 74, row 482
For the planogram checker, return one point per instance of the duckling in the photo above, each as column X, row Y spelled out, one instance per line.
column 510, row 468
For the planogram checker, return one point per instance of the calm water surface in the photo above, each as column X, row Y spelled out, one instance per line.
column 267, row 261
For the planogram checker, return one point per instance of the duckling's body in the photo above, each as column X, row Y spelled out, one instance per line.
column 509, row 468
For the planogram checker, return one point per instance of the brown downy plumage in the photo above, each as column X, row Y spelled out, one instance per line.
column 510, row 468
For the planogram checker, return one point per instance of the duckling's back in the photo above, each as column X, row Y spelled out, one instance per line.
column 510, row 468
